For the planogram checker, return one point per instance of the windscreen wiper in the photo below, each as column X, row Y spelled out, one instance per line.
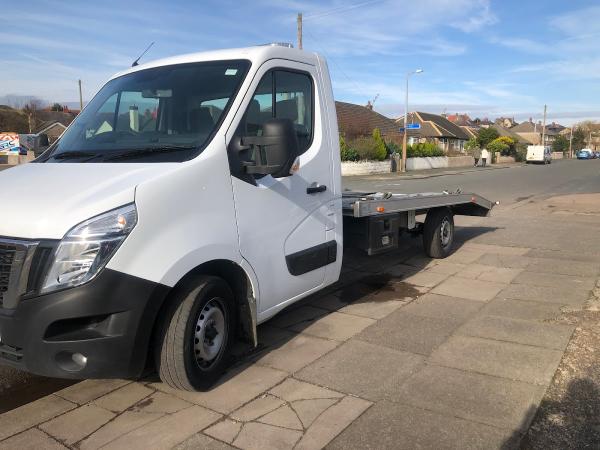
column 74, row 154
column 140, row 152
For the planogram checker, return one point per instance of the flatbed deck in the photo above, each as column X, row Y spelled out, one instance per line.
column 366, row 204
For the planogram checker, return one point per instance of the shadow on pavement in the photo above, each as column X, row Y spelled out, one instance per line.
column 573, row 422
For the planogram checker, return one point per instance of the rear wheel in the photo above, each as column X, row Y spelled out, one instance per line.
column 196, row 335
column 438, row 232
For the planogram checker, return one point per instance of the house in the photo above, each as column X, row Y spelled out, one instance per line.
column 508, row 132
column 532, row 131
column 505, row 122
column 437, row 129
column 356, row 120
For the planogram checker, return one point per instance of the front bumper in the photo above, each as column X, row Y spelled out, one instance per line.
column 108, row 321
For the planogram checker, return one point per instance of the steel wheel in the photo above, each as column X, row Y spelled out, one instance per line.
column 210, row 331
column 445, row 232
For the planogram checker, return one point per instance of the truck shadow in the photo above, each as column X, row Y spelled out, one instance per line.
column 364, row 279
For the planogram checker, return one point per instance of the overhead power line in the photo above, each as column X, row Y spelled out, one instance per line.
column 340, row 9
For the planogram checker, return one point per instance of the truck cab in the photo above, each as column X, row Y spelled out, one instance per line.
column 193, row 198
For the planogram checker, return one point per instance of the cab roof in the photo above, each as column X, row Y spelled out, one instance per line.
column 256, row 54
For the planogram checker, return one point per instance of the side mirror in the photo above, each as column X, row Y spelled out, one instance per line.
column 275, row 151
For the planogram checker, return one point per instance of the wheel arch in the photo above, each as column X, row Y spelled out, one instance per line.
column 240, row 283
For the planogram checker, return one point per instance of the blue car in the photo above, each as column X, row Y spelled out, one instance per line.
column 585, row 154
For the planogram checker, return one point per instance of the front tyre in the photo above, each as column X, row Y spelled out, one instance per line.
column 438, row 232
column 196, row 335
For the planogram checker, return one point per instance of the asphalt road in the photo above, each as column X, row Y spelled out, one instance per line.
column 507, row 185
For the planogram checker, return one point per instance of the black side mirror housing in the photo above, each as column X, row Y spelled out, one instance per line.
column 275, row 151
column 43, row 142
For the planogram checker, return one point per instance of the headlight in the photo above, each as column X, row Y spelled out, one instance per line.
column 86, row 249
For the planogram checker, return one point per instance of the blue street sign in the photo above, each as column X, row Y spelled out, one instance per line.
column 414, row 126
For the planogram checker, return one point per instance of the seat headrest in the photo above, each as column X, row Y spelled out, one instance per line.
column 201, row 120
column 287, row 109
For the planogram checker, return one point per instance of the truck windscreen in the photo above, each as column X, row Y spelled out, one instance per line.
column 162, row 114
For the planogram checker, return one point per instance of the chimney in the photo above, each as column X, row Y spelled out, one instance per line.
column 530, row 119
column 369, row 105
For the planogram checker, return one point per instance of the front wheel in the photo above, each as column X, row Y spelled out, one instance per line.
column 196, row 335
column 438, row 232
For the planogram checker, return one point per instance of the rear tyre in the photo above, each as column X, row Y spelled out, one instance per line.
column 196, row 335
column 438, row 232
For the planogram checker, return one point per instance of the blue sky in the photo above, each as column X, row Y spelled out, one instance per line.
column 487, row 58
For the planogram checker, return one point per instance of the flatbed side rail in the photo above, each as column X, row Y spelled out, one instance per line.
column 363, row 205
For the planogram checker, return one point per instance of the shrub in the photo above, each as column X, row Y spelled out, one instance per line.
column 347, row 153
column 472, row 145
column 366, row 147
column 392, row 148
column 486, row 135
column 380, row 147
column 423, row 149
column 497, row 146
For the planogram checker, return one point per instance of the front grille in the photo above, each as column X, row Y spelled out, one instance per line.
column 16, row 257
column 7, row 257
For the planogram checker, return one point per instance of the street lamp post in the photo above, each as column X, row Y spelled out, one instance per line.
column 406, row 119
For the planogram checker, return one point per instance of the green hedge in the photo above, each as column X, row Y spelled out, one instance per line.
column 423, row 149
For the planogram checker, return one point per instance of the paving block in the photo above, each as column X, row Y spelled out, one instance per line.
column 32, row 439
column 31, row 414
column 336, row 326
column 201, row 441
column 410, row 333
column 122, row 424
column 371, row 306
column 465, row 256
column 553, row 336
column 260, row 436
column 235, row 389
column 293, row 316
column 309, row 410
column 502, row 359
column 77, row 424
column 257, row 408
column 489, row 273
column 491, row 400
column 555, row 280
column 226, row 430
column 426, row 278
column 521, row 309
column 565, row 267
column 332, row 422
column 160, row 403
column 284, row 417
column 401, row 270
column 123, row 398
column 292, row 390
column 443, row 307
column 508, row 261
column 167, row 431
column 564, row 295
column 446, row 267
column 296, row 353
column 564, row 254
column 89, row 390
column 478, row 290
column 362, row 369
column 388, row 425
column 496, row 249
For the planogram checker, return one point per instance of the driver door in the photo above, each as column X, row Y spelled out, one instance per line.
column 283, row 222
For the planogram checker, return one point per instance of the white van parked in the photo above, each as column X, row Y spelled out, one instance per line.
column 539, row 154
column 193, row 198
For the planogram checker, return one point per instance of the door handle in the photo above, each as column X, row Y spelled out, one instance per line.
column 315, row 188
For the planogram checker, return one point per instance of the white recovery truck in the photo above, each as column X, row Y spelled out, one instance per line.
column 193, row 198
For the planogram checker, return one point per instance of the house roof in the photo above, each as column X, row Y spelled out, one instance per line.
column 462, row 120
column 43, row 127
column 433, row 125
column 503, row 131
column 358, row 120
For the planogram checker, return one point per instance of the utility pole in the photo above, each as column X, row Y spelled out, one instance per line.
column 403, row 165
column 299, row 20
column 571, row 142
column 80, row 97
column 544, row 128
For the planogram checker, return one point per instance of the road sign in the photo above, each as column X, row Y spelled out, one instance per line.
column 411, row 126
